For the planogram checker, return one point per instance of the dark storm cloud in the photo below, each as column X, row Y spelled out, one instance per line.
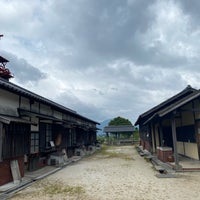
column 22, row 70
column 191, row 8
column 100, row 31
column 69, row 100
column 94, row 33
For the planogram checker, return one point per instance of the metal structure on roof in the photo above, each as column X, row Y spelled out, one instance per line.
column 4, row 72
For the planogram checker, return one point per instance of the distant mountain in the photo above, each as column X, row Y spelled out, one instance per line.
column 101, row 126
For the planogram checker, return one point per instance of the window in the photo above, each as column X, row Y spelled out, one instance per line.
column 45, row 136
column 48, row 134
column 34, row 142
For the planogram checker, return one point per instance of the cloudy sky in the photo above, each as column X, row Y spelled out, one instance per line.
column 103, row 58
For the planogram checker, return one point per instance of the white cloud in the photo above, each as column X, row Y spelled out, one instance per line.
column 171, row 35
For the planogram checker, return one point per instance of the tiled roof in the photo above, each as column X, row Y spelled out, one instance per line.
column 184, row 93
column 175, row 105
column 120, row 128
column 4, row 84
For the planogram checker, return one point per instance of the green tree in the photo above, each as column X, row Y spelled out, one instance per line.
column 119, row 121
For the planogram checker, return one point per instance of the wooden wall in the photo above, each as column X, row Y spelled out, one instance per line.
column 6, row 175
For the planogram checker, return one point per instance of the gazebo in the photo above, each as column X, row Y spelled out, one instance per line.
column 120, row 133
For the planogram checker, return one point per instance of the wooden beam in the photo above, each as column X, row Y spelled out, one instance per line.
column 155, row 140
column 1, row 140
column 161, row 134
column 189, row 110
column 173, row 125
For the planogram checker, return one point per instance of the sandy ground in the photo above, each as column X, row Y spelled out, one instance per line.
column 116, row 173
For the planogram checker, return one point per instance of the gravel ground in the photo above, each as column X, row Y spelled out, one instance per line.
column 113, row 173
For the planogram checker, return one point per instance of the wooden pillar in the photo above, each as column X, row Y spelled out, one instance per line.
column 173, row 125
column 161, row 134
column 1, row 140
column 153, row 138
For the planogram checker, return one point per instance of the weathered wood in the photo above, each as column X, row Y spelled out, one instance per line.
column 161, row 134
column 173, row 124
column 15, row 171
column 1, row 140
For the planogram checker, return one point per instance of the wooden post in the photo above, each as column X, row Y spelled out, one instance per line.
column 173, row 124
column 154, row 136
column 161, row 134
column 1, row 140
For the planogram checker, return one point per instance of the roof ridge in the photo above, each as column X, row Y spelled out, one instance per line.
column 156, row 108
column 18, row 89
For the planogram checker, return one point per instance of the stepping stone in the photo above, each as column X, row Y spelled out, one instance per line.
column 159, row 168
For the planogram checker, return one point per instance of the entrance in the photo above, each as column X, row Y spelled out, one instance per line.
column 198, row 136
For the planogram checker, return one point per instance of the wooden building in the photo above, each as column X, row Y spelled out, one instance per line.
column 35, row 131
column 121, row 134
column 173, row 127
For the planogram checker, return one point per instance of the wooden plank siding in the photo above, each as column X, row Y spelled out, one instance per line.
column 28, row 122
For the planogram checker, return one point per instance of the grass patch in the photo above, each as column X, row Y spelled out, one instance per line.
column 46, row 189
column 108, row 152
column 104, row 149
column 146, row 159
column 58, row 187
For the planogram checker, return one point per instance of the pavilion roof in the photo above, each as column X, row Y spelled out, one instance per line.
column 119, row 128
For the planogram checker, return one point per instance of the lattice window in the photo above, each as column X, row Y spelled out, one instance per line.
column 48, row 134
column 34, row 142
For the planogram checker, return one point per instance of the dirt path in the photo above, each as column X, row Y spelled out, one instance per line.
column 116, row 173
